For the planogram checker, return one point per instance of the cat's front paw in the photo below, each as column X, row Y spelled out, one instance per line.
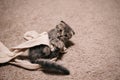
column 57, row 43
column 60, row 45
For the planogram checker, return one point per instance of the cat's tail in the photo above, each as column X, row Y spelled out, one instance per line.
column 48, row 65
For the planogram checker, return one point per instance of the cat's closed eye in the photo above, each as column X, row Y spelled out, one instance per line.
column 60, row 30
column 66, row 35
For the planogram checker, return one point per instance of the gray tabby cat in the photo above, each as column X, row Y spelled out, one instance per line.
column 41, row 54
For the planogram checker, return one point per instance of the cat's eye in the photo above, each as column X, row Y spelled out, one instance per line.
column 60, row 30
column 65, row 35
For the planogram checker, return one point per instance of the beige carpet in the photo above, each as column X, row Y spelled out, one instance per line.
column 96, row 53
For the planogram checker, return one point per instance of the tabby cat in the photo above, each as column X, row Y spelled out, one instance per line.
column 42, row 54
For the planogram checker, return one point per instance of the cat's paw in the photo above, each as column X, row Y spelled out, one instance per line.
column 57, row 43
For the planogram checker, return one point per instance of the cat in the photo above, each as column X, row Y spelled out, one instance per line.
column 42, row 54
column 60, row 35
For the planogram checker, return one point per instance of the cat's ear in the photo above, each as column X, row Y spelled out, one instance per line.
column 62, row 21
column 62, row 24
column 66, row 25
column 73, row 33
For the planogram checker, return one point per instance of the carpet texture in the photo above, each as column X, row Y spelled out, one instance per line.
column 95, row 54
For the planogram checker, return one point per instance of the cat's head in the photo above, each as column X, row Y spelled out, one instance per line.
column 65, row 31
